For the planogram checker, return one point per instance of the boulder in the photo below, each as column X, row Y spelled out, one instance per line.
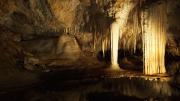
column 68, row 47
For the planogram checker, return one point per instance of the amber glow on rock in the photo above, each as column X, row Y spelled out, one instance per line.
column 154, row 40
column 117, row 26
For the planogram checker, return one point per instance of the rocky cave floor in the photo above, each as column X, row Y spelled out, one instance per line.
column 62, row 74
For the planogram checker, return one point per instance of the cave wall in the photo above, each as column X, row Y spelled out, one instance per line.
column 38, row 27
column 42, row 23
column 173, row 30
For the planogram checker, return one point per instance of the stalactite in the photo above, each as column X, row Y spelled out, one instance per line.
column 132, row 32
column 135, row 29
column 95, row 40
column 104, row 46
column 154, row 39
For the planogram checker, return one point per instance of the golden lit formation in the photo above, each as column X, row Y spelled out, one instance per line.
column 153, row 22
column 154, row 39
column 117, row 26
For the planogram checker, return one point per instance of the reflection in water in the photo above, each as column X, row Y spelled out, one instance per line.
column 119, row 89
column 94, row 89
column 86, row 85
column 140, row 88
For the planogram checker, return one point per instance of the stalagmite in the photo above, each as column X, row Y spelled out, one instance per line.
column 117, row 26
column 115, row 33
column 154, row 39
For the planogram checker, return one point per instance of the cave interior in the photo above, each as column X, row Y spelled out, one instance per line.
column 90, row 50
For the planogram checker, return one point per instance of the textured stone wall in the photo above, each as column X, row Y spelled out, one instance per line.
column 38, row 26
column 173, row 42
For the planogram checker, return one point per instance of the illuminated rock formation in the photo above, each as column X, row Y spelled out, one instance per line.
column 117, row 26
column 154, row 39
